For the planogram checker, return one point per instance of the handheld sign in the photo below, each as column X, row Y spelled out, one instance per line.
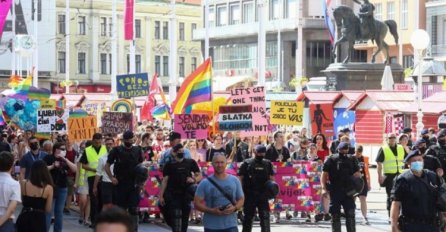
column 82, row 128
column 442, row 121
column 116, row 122
column 192, row 126
column 287, row 113
column 235, row 118
column 132, row 85
column 52, row 120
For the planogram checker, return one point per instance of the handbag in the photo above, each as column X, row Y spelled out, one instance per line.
column 225, row 194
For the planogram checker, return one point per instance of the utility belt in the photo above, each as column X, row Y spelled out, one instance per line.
column 434, row 221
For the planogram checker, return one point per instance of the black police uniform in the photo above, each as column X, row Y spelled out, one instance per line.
column 340, row 167
column 431, row 163
column 439, row 152
column 255, row 175
column 418, row 210
column 127, row 190
column 176, row 196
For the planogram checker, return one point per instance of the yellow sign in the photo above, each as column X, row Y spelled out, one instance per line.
column 287, row 113
column 48, row 104
column 82, row 128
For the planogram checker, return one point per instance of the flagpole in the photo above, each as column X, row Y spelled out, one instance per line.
column 212, row 97
column 36, row 50
column 206, row 28
column 173, row 54
column 67, row 45
column 13, row 60
column 133, row 43
column 114, row 47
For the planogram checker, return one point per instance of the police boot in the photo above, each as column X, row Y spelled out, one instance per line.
column 134, row 215
column 247, row 222
column 264, row 221
column 350, row 221
column 177, row 220
column 336, row 222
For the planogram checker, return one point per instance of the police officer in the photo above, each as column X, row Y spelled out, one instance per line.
column 439, row 150
column 254, row 174
column 431, row 162
column 390, row 164
column 125, row 159
column 175, row 194
column 339, row 169
column 413, row 196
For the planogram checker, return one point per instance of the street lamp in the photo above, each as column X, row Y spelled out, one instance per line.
column 420, row 40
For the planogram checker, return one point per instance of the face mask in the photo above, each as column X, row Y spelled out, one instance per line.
column 259, row 158
column 422, row 149
column 426, row 138
column 62, row 153
column 128, row 144
column 180, row 155
column 34, row 146
column 416, row 166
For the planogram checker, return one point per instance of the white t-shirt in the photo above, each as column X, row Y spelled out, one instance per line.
column 9, row 191
column 100, row 170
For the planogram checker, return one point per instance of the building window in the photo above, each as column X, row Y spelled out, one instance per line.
column 61, row 22
column 248, row 12
column 181, row 66
column 193, row 63
column 378, row 11
column 165, row 66
column 103, row 63
column 211, row 17
column 103, row 26
column 61, row 62
column 222, row 16
column 138, row 28
column 407, row 61
column 165, row 30
column 318, row 53
column 193, row 27
column 291, row 9
column 274, row 9
column 110, row 27
column 157, row 64
column 390, row 10
column 81, row 63
column 404, row 14
column 109, row 63
column 157, row 29
column 181, row 32
column 81, row 22
column 234, row 14
column 138, row 63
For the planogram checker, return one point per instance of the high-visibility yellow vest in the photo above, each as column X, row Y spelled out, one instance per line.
column 93, row 158
column 393, row 164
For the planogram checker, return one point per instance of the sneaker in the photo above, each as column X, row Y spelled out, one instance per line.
column 198, row 220
column 81, row 221
column 327, row 217
column 308, row 218
column 366, row 222
column 295, row 213
column 318, row 217
column 288, row 216
column 303, row 215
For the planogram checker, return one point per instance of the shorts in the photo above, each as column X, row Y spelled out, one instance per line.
column 107, row 192
column 364, row 191
column 83, row 190
column 70, row 184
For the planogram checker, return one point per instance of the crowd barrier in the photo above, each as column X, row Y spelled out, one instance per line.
column 299, row 181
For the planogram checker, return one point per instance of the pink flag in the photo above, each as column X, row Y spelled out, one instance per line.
column 5, row 5
column 128, row 19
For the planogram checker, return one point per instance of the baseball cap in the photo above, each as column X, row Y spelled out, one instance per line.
column 128, row 135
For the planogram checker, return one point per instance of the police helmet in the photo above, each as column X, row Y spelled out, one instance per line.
column 272, row 189
column 141, row 174
column 356, row 186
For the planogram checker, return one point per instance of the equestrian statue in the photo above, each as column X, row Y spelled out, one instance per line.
column 353, row 28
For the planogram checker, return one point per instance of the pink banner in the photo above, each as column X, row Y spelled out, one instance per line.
column 192, row 126
column 128, row 19
column 299, row 183
column 5, row 5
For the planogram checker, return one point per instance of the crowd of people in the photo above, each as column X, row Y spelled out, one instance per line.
column 48, row 176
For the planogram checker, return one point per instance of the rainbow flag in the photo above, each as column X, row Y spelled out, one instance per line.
column 2, row 120
column 196, row 88
column 38, row 93
column 161, row 112
column 23, row 88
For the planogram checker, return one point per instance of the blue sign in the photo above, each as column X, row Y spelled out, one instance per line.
column 132, row 85
column 344, row 119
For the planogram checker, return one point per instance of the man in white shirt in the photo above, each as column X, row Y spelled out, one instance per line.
column 9, row 192
column 103, row 189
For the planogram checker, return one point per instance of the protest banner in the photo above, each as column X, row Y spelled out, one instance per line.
column 256, row 97
column 132, row 85
column 287, row 113
column 299, row 184
column 322, row 118
column 52, row 120
column 82, row 128
column 48, row 104
column 116, row 122
column 235, row 118
column 192, row 126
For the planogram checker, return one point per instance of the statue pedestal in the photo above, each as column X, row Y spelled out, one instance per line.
column 359, row 76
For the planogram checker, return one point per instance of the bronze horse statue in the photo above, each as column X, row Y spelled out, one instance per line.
column 349, row 27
